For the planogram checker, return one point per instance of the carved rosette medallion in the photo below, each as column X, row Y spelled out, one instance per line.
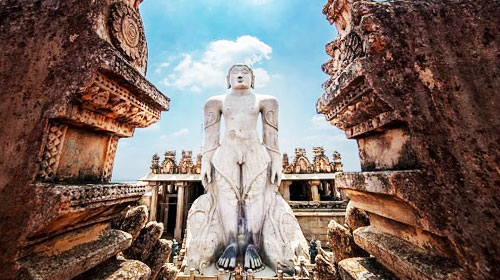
column 127, row 33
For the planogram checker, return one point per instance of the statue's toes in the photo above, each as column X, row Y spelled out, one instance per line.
column 228, row 258
column 252, row 259
column 232, row 263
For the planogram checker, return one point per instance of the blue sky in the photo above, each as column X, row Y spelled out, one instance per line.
column 191, row 45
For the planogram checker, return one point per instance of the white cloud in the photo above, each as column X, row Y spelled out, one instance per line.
column 211, row 69
column 320, row 123
column 160, row 67
column 181, row 132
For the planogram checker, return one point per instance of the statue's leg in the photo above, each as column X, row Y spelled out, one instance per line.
column 255, row 212
column 227, row 204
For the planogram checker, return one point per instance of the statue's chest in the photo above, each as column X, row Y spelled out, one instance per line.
column 235, row 107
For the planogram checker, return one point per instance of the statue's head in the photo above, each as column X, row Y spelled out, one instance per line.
column 240, row 76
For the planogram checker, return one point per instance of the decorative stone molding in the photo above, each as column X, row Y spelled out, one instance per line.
column 127, row 33
column 52, row 151
column 112, row 100
column 350, row 98
column 320, row 161
column 79, row 116
column 300, row 164
column 84, row 195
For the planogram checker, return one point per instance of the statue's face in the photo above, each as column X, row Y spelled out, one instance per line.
column 240, row 77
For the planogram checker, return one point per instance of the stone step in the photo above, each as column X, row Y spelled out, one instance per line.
column 363, row 269
column 70, row 263
column 405, row 259
column 118, row 269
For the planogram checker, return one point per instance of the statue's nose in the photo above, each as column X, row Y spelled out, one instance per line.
column 240, row 77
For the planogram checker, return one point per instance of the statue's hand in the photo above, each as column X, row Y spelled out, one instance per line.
column 206, row 173
column 276, row 172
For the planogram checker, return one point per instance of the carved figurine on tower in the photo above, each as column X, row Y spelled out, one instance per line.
column 242, row 219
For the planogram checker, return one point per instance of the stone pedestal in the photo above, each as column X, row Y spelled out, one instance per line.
column 422, row 102
column 73, row 81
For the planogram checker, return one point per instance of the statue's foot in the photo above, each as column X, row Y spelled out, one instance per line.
column 228, row 259
column 252, row 258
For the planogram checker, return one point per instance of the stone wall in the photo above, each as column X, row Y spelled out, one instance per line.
column 314, row 224
column 417, row 84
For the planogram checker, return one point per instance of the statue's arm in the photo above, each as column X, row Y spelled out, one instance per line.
column 212, row 116
column 269, row 110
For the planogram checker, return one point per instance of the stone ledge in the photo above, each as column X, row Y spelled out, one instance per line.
column 363, row 269
column 381, row 182
column 406, row 260
column 73, row 262
column 67, row 207
column 397, row 195
column 90, row 195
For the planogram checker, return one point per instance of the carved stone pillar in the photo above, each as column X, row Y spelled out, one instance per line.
column 71, row 90
column 285, row 189
column 154, row 202
column 179, row 219
column 314, row 184
column 422, row 102
column 165, row 211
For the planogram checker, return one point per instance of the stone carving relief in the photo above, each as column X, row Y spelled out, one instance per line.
column 320, row 161
column 186, row 164
column 112, row 100
column 127, row 33
column 155, row 166
column 86, row 117
column 98, row 193
column 300, row 164
column 52, row 151
column 168, row 165
column 110, row 155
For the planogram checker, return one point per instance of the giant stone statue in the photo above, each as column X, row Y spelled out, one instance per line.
column 242, row 219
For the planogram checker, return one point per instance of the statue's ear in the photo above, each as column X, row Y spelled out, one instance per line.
column 228, row 83
column 252, row 85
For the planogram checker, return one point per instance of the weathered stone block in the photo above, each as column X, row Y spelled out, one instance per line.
column 324, row 269
column 404, row 259
column 132, row 220
column 142, row 245
column 355, row 217
column 70, row 263
column 118, row 269
column 168, row 272
column 158, row 256
column 386, row 150
column 67, row 207
column 341, row 243
column 363, row 269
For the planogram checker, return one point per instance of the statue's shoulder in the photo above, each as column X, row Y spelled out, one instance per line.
column 215, row 101
column 267, row 100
